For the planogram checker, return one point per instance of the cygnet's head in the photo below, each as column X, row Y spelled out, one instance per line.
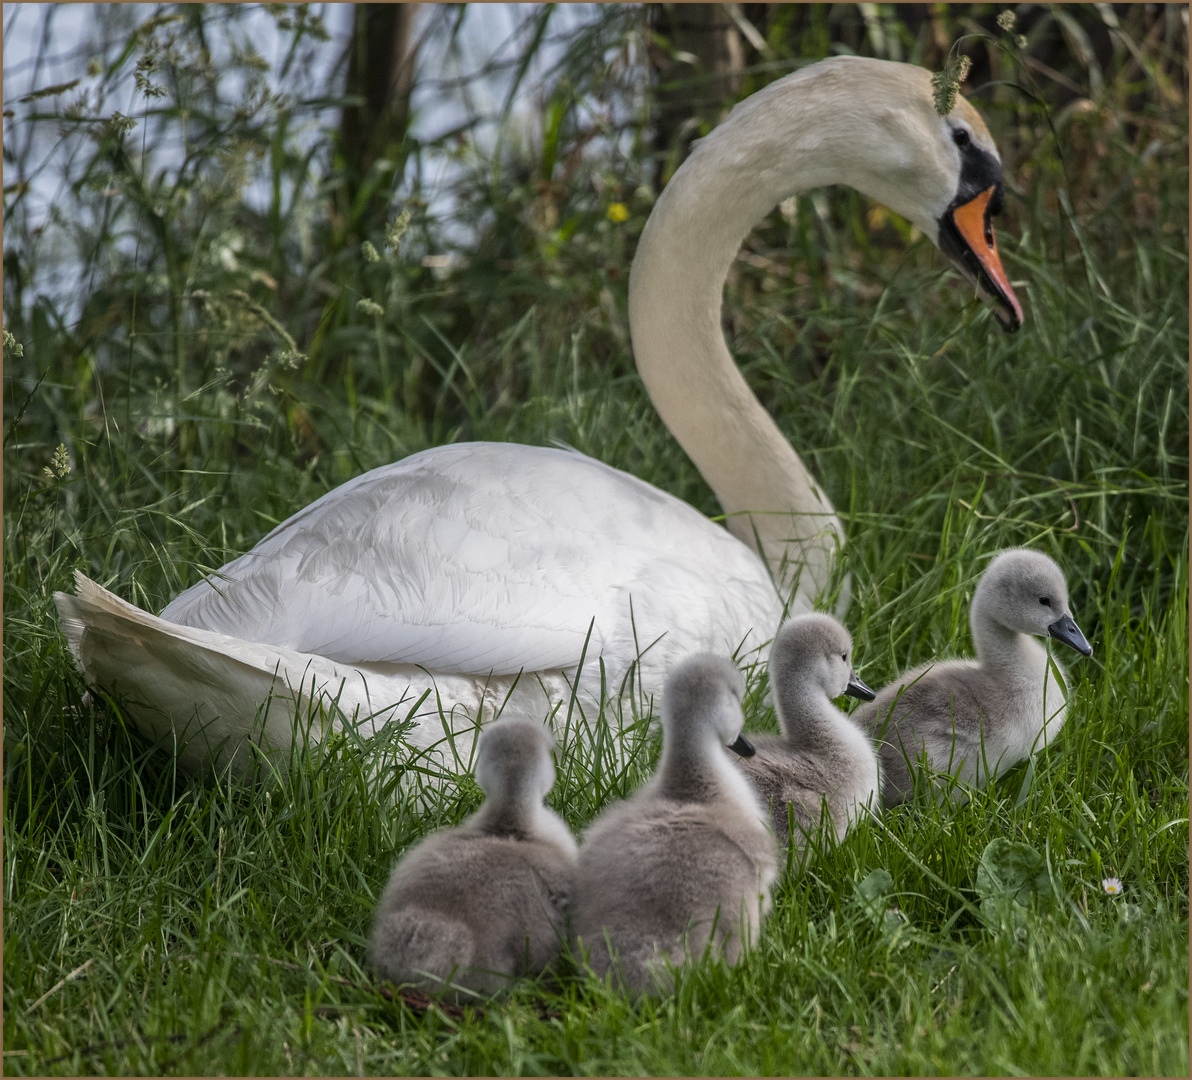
column 704, row 694
column 814, row 652
column 513, row 760
column 1025, row 591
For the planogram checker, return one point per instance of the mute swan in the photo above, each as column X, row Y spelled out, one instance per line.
column 687, row 862
column 976, row 718
column 467, row 577
column 822, row 754
column 478, row 905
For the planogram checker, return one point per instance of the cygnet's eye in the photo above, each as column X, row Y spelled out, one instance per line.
column 961, row 137
column 1045, row 601
column 844, row 657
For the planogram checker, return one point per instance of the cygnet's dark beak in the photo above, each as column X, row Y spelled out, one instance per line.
column 1065, row 629
column 743, row 747
column 856, row 688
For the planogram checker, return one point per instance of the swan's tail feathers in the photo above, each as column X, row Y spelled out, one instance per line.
column 213, row 698
column 205, row 693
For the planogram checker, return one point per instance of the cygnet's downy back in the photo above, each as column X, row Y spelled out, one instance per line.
column 822, row 756
column 478, row 905
column 685, row 865
column 974, row 719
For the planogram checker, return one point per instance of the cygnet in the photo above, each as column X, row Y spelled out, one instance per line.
column 974, row 718
column 822, row 756
column 477, row 905
column 685, row 865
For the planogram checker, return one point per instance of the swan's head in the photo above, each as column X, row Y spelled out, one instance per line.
column 872, row 124
column 814, row 653
column 702, row 697
column 1025, row 591
column 514, row 762
column 942, row 172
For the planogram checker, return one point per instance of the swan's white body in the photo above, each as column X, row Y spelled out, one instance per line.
column 466, row 578
column 489, row 603
column 490, row 557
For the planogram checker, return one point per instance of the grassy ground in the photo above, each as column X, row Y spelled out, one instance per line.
column 154, row 924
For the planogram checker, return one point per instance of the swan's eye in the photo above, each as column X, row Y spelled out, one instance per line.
column 960, row 137
column 844, row 657
column 1045, row 601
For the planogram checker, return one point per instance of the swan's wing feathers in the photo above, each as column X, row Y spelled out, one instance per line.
column 475, row 558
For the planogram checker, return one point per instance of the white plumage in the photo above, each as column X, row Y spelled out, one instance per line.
column 487, row 557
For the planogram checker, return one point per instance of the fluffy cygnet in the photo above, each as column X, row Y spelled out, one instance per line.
column 976, row 718
column 822, row 755
column 686, row 863
column 479, row 904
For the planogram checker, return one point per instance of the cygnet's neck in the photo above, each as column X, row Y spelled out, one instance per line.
column 808, row 718
column 1000, row 648
column 790, row 136
column 694, row 766
column 514, row 812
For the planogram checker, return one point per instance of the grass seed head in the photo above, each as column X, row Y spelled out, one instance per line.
column 59, row 465
column 397, row 230
column 945, row 85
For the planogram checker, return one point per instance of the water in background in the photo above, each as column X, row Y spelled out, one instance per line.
column 466, row 64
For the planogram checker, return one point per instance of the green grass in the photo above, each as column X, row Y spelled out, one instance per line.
column 222, row 928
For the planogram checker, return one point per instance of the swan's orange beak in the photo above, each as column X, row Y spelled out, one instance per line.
column 968, row 238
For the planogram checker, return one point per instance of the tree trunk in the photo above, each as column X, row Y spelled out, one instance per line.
column 380, row 70
column 697, row 55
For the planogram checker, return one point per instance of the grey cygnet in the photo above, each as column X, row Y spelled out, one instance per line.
column 822, row 755
column 685, row 865
column 976, row 718
column 480, row 904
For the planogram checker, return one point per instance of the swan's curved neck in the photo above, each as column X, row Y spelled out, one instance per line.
column 840, row 121
column 732, row 179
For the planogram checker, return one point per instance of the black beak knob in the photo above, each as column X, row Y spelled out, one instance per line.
column 742, row 747
column 856, row 688
column 1065, row 629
